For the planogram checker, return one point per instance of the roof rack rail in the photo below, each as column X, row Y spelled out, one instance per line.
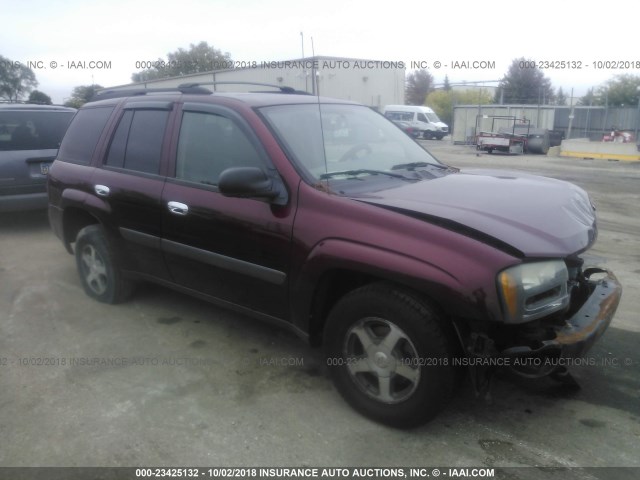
column 132, row 92
column 27, row 103
column 192, row 88
column 281, row 88
column 22, row 102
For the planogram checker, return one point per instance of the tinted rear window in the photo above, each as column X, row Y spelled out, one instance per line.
column 137, row 142
column 83, row 135
column 32, row 129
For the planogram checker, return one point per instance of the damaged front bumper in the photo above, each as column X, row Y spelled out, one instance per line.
column 585, row 326
column 571, row 339
column 591, row 320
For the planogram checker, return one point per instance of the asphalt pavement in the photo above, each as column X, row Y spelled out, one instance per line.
column 167, row 380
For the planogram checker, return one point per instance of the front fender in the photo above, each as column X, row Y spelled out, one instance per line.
column 378, row 263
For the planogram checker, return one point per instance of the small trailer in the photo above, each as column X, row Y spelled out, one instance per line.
column 502, row 139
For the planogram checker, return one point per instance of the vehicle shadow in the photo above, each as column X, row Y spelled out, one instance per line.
column 608, row 376
column 604, row 379
column 24, row 222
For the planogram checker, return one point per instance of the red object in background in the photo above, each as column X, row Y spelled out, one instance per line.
column 618, row 137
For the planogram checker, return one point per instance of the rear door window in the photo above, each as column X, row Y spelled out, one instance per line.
column 137, row 142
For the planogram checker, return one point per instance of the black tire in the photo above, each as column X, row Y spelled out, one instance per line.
column 404, row 376
column 99, row 268
column 427, row 135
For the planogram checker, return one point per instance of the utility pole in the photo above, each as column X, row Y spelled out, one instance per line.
column 637, row 113
column 304, row 70
column 316, row 74
column 571, row 115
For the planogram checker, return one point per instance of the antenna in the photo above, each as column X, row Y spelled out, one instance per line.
column 316, row 89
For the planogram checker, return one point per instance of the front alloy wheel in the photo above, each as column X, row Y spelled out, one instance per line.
column 390, row 355
column 381, row 360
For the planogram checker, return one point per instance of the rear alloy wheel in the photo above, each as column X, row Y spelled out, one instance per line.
column 389, row 355
column 99, row 268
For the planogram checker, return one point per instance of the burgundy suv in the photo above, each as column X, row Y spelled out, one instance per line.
column 322, row 216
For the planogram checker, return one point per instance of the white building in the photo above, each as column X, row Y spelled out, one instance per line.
column 375, row 83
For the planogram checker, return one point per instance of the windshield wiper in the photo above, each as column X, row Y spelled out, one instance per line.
column 361, row 171
column 412, row 165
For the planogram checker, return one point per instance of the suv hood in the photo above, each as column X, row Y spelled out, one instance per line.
column 538, row 216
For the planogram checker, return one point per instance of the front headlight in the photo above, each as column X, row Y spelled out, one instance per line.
column 533, row 290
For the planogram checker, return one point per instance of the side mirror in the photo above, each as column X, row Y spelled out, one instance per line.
column 249, row 182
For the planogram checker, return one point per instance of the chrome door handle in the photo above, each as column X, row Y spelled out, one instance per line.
column 178, row 208
column 101, row 190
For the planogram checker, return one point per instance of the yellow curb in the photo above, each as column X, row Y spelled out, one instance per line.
column 605, row 156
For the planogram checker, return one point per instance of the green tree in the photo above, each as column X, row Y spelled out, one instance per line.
column 39, row 97
column 418, row 85
column 446, row 85
column 443, row 101
column 621, row 90
column 590, row 99
column 523, row 84
column 199, row 58
column 81, row 95
column 16, row 80
column 561, row 98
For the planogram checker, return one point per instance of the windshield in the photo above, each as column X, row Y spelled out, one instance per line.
column 352, row 140
column 433, row 117
column 32, row 129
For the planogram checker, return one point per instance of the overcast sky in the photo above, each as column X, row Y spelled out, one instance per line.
column 123, row 32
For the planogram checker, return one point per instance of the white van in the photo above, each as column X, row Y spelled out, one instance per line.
column 422, row 118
